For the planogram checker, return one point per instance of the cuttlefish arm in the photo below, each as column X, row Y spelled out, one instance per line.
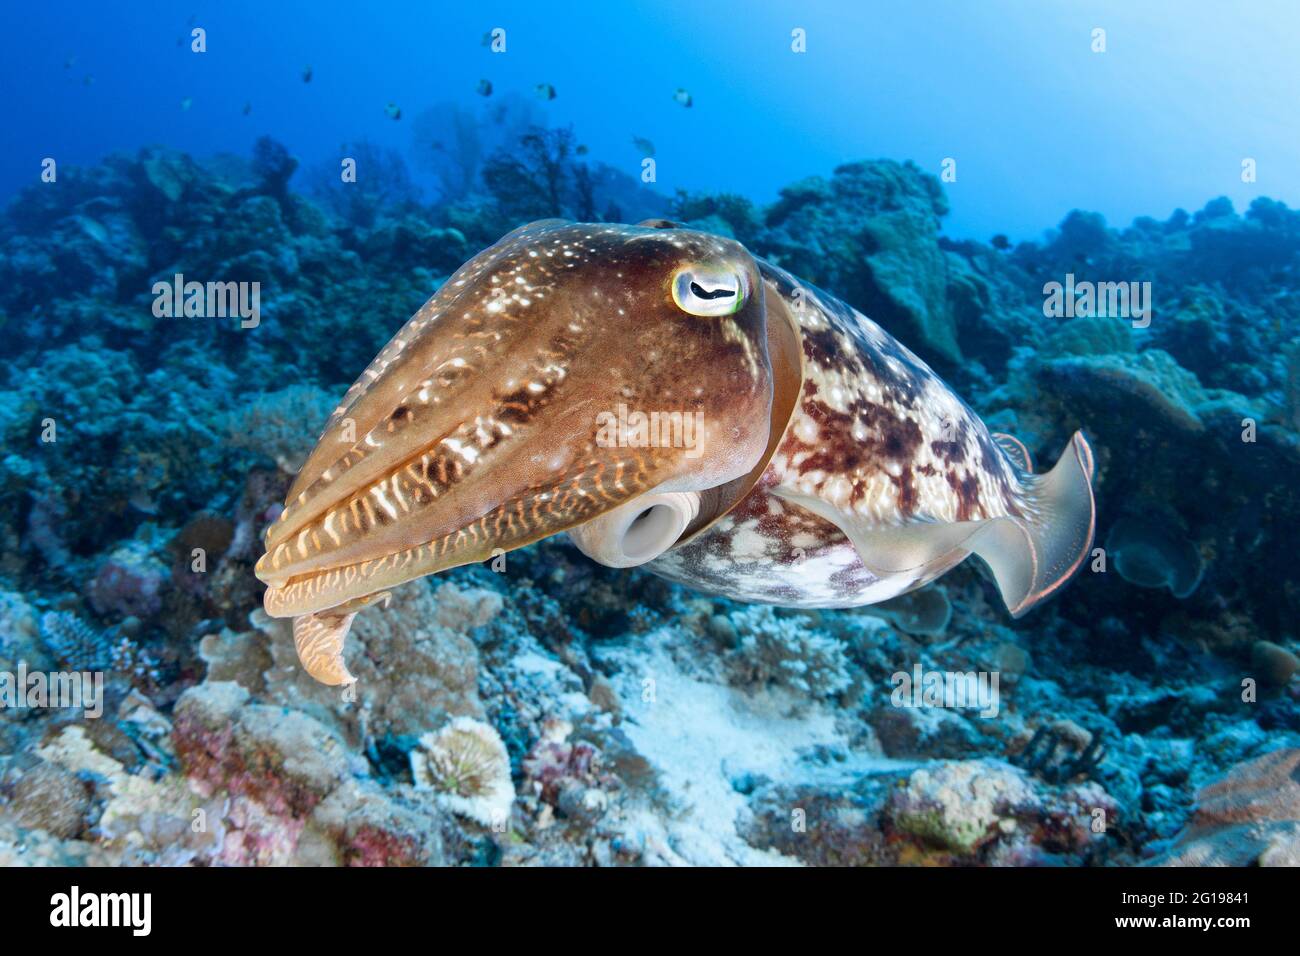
column 485, row 424
column 318, row 638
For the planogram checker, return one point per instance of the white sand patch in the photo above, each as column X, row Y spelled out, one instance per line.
column 700, row 736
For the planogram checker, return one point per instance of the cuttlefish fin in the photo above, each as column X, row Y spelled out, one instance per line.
column 1015, row 449
column 318, row 638
column 1031, row 554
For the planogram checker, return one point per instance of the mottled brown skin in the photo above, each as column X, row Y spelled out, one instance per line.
column 889, row 421
column 476, row 428
column 875, row 433
column 834, row 467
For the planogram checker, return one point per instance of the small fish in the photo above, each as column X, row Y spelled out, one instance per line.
column 544, row 91
column 248, row 108
column 581, row 150
column 70, row 62
column 186, row 104
column 684, row 98
column 306, row 74
column 394, row 112
column 484, row 88
column 142, row 502
column 643, row 145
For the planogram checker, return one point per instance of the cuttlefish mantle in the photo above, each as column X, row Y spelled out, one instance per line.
column 671, row 401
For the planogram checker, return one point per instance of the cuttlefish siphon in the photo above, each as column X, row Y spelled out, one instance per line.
column 671, row 401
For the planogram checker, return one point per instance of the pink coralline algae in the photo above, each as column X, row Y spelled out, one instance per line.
column 1250, row 816
column 569, row 775
column 296, row 796
column 129, row 583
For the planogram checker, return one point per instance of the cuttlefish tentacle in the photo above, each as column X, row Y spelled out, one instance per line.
column 318, row 638
column 672, row 401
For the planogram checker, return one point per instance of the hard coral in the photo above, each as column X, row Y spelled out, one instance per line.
column 294, row 795
column 1251, row 816
column 466, row 764
column 785, row 651
column 280, row 425
column 129, row 583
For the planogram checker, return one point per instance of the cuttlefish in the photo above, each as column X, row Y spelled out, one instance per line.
column 671, row 401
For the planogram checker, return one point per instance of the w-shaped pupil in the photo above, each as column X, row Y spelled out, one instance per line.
column 702, row 293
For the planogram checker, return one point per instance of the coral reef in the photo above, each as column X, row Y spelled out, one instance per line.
column 1250, row 817
column 467, row 764
column 270, row 425
column 783, row 650
column 294, row 794
column 542, row 710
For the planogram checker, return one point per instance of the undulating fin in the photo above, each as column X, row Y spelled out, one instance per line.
column 1031, row 553
column 1015, row 450
column 318, row 638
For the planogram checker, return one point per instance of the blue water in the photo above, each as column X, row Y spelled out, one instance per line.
column 145, row 452
column 1037, row 122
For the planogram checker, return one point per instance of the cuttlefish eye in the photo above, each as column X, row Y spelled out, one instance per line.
column 704, row 291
